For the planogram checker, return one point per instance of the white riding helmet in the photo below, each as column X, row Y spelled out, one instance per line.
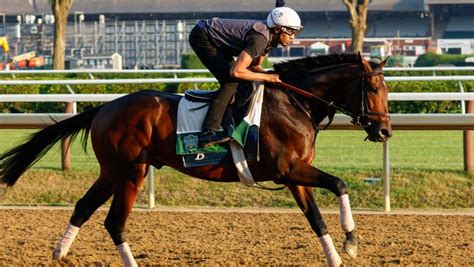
column 284, row 17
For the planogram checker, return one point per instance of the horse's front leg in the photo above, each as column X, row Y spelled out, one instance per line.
column 304, row 196
column 303, row 174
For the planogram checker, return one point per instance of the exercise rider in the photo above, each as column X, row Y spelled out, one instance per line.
column 217, row 41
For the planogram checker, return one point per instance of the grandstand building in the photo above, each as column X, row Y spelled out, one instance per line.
column 153, row 33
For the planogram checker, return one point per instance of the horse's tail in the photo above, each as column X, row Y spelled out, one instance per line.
column 17, row 160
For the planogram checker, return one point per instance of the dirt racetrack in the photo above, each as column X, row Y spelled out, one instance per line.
column 235, row 237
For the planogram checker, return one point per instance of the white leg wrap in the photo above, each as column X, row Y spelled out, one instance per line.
column 126, row 255
column 332, row 256
column 65, row 242
column 347, row 222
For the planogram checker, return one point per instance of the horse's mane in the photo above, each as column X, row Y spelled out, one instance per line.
column 309, row 63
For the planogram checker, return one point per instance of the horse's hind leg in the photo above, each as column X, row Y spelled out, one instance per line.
column 125, row 194
column 304, row 196
column 100, row 191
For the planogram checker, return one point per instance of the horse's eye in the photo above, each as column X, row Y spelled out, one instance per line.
column 374, row 83
column 373, row 89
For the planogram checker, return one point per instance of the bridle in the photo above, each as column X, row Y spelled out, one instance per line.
column 363, row 118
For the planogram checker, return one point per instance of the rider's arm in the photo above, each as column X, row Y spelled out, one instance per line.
column 240, row 70
column 257, row 65
column 249, row 58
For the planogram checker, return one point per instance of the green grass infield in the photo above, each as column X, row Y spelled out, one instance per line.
column 426, row 172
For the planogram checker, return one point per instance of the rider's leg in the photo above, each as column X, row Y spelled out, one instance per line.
column 214, row 116
column 218, row 106
column 219, row 63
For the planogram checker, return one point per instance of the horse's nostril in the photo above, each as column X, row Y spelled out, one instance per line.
column 385, row 132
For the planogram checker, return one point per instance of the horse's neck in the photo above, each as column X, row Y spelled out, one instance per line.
column 332, row 83
column 337, row 84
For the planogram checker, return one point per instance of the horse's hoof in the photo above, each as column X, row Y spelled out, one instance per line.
column 57, row 254
column 350, row 248
column 334, row 262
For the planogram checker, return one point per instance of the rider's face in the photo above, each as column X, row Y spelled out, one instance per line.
column 286, row 36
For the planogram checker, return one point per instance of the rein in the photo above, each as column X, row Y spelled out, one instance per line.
column 310, row 95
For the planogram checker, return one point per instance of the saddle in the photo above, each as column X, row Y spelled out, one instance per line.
column 200, row 96
column 236, row 109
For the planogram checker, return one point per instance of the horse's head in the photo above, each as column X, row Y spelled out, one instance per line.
column 371, row 108
column 343, row 82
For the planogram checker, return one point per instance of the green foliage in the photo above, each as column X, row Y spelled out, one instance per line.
column 52, row 107
column 267, row 64
column 191, row 61
column 202, row 86
column 424, row 106
column 427, row 87
column 432, row 59
column 395, row 61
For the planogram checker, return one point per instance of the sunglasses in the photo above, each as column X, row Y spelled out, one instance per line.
column 290, row 31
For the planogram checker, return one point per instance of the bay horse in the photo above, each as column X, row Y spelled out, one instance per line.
column 138, row 130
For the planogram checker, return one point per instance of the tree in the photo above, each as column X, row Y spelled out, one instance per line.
column 358, row 21
column 61, row 11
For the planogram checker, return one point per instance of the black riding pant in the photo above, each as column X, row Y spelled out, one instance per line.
column 219, row 64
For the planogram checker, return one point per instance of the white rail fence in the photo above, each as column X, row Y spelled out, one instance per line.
column 462, row 121
column 433, row 70
column 202, row 80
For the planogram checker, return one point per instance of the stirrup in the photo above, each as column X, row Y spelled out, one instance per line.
column 223, row 140
column 209, row 138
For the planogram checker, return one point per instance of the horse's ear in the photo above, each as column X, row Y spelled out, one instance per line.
column 384, row 62
column 363, row 63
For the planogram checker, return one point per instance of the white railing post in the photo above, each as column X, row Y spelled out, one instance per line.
column 151, row 187
column 386, row 177
column 468, row 139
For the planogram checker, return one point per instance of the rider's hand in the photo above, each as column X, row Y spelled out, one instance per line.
column 273, row 78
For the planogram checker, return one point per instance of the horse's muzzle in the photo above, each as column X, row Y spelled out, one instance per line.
column 379, row 132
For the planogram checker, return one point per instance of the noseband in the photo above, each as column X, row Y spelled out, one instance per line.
column 363, row 119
